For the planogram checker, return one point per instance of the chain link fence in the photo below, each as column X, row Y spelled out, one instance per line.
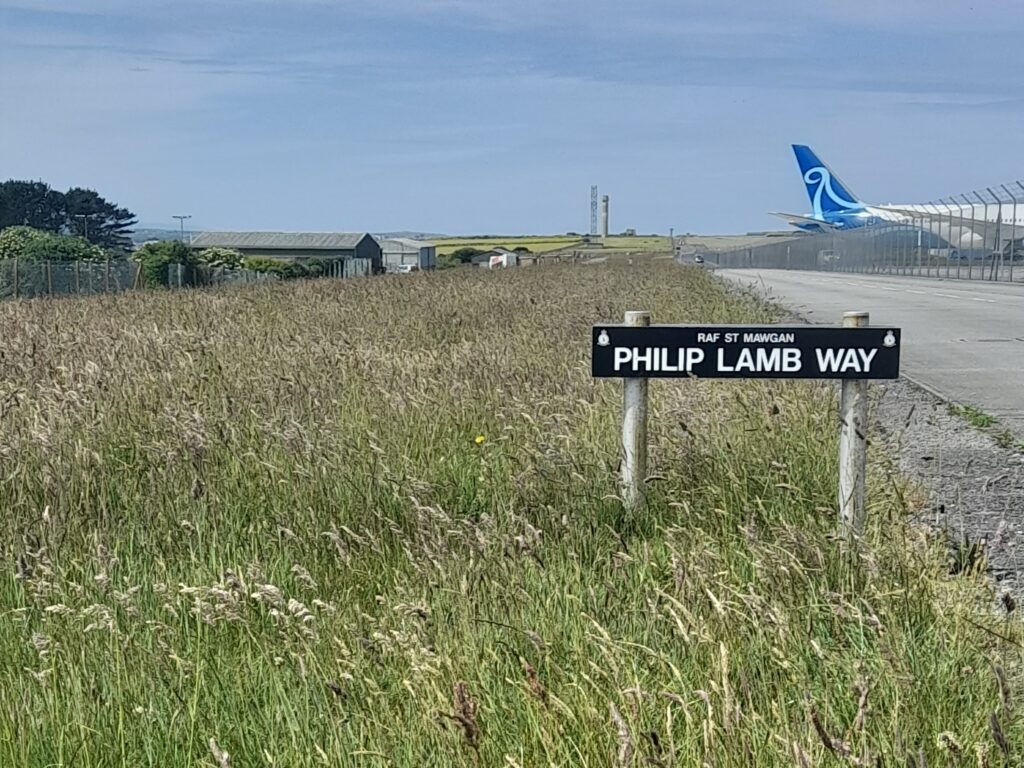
column 31, row 279
column 202, row 275
column 976, row 236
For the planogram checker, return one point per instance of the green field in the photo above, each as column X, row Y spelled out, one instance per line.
column 538, row 244
column 375, row 523
column 545, row 244
column 638, row 244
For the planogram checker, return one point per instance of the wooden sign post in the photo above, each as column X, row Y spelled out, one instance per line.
column 634, row 427
column 853, row 353
column 853, row 444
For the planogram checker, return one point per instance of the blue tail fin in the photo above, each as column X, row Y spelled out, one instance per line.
column 828, row 194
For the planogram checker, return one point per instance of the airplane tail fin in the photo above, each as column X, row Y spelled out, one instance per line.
column 828, row 194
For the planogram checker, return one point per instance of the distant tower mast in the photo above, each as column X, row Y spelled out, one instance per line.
column 593, row 210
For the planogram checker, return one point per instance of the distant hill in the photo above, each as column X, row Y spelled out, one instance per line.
column 145, row 235
column 409, row 235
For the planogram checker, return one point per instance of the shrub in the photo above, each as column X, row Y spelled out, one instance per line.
column 154, row 258
column 286, row 270
column 38, row 245
column 465, row 255
column 14, row 241
column 221, row 257
column 314, row 268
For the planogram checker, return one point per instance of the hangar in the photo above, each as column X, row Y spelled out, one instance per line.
column 297, row 246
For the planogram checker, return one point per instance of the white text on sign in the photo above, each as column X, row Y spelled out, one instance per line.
column 745, row 359
column 659, row 358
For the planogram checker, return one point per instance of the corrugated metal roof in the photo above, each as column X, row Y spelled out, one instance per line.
column 404, row 243
column 282, row 240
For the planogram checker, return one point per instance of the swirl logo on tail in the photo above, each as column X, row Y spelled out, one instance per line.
column 820, row 176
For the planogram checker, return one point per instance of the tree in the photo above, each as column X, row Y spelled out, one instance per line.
column 79, row 211
column 99, row 221
column 31, row 204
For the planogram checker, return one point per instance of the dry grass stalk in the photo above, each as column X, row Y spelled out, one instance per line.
column 465, row 714
column 221, row 756
column 624, row 757
column 948, row 741
column 862, row 687
column 998, row 736
column 534, row 684
column 1005, row 699
column 835, row 745
column 800, row 758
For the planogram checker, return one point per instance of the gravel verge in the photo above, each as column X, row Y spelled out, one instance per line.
column 975, row 486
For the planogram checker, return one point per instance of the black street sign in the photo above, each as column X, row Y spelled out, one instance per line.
column 745, row 352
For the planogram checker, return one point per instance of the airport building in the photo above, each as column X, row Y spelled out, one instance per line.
column 403, row 253
column 297, row 246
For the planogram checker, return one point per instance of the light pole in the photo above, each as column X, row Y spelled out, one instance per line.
column 85, row 223
column 181, row 221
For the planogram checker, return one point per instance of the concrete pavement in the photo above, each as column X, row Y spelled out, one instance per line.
column 962, row 339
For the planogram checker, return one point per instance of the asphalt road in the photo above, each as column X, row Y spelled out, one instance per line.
column 964, row 340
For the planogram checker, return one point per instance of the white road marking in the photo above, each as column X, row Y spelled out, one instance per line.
column 948, row 296
column 919, row 293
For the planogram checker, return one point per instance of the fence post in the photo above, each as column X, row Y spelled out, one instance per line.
column 106, row 277
column 634, row 429
column 15, row 277
column 49, row 278
column 78, row 277
column 853, row 417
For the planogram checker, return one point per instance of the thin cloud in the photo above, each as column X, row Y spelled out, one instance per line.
column 477, row 114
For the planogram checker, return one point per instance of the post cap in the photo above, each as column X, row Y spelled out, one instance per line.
column 855, row 319
column 638, row 317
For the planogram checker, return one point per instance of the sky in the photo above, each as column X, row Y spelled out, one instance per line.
column 497, row 116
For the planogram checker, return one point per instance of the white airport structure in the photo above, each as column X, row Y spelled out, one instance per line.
column 402, row 254
column 987, row 223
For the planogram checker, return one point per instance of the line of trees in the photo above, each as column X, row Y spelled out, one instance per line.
column 80, row 213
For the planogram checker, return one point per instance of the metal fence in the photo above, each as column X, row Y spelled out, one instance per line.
column 202, row 275
column 977, row 236
column 30, row 279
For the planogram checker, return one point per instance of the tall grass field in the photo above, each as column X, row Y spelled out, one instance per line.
column 375, row 523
